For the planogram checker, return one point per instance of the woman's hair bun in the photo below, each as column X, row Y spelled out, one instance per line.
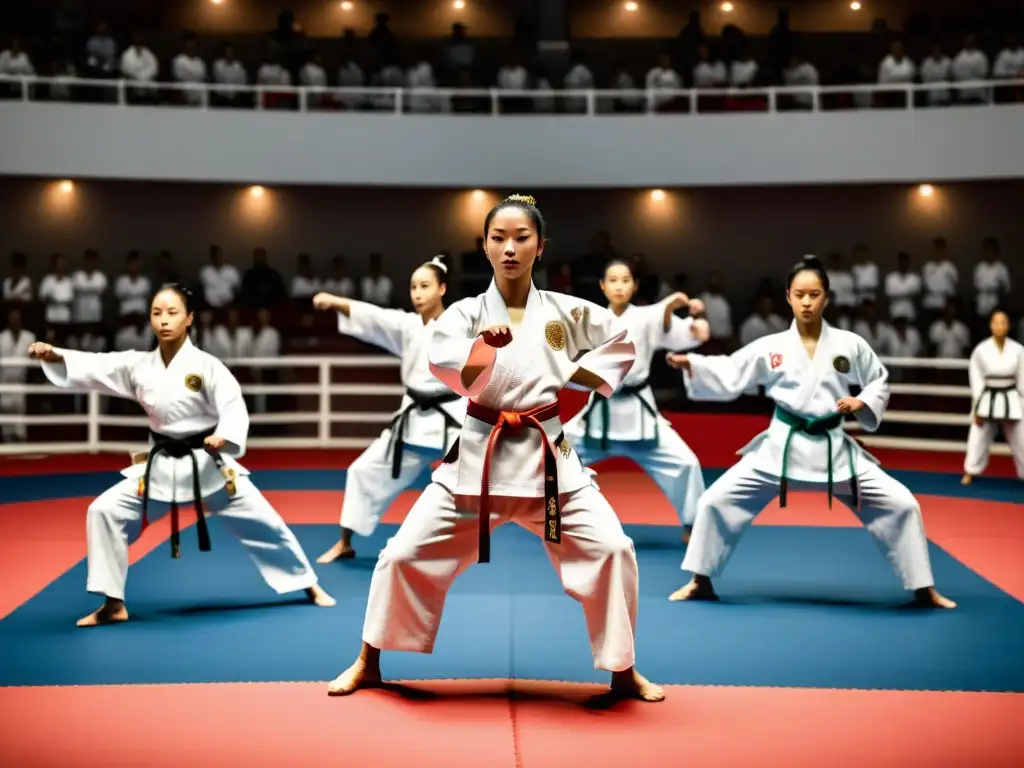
column 438, row 261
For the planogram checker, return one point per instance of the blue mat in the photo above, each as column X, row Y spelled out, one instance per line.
column 815, row 607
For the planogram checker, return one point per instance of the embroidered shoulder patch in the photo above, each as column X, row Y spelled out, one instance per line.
column 776, row 361
column 194, row 382
column 554, row 335
column 841, row 364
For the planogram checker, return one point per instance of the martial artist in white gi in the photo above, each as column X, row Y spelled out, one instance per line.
column 808, row 371
column 15, row 342
column 198, row 428
column 427, row 421
column 996, row 373
column 629, row 423
column 511, row 350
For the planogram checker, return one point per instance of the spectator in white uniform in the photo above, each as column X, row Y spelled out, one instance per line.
column 220, row 281
column 420, row 76
column 877, row 333
column 865, row 274
column 17, row 286
column 305, row 284
column 896, row 69
column 135, row 333
column 662, row 79
column 903, row 289
column 350, row 75
column 90, row 284
column 376, row 287
column 228, row 70
column 991, row 280
column 140, row 66
column 266, row 342
column 14, row 344
column 339, row 283
column 940, row 279
column 230, row 340
column 937, row 70
column 717, row 310
column 133, row 289
column 188, row 67
column 313, row 77
column 971, row 65
column 578, row 78
column 57, row 292
column 1010, row 61
column 842, row 287
column 949, row 336
column 801, row 73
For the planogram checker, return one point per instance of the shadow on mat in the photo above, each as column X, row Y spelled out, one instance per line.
column 605, row 699
column 229, row 607
column 816, row 601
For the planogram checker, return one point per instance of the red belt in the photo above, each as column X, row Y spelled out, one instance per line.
column 514, row 421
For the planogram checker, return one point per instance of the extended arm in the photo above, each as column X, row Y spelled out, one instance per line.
column 462, row 360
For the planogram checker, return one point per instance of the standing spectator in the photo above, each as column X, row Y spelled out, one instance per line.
column 948, row 335
column 896, row 69
column 266, row 342
column 135, row 333
column 513, row 76
column 132, row 288
column 970, row 65
column 17, row 286
column 189, row 68
column 339, row 283
column 421, row 77
column 140, row 66
column 622, row 80
column 459, row 53
column 376, row 287
column 661, row 81
column 936, row 69
column 350, row 75
column 101, row 53
column 57, row 292
column 865, row 274
column 220, row 281
column 801, row 73
column 14, row 344
column 1009, row 66
column 903, row 289
column 262, row 285
column 709, row 73
column 578, row 78
column 313, row 77
column 228, row 70
column 764, row 322
column 877, row 333
column 272, row 74
column 718, row 311
column 940, row 280
column 305, row 284
column 14, row 62
column 381, row 38
column 230, row 340
column 991, row 281
column 90, row 284
column 842, row 287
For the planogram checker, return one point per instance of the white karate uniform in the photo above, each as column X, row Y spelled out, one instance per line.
column 756, row 326
column 991, row 283
column 20, row 290
column 192, row 395
column 343, row 287
column 134, row 294
column 937, row 70
column 190, row 69
column 439, row 539
column 843, row 288
column 865, row 277
column 880, row 336
column 266, row 342
column 808, row 388
column 14, row 403
column 219, row 284
column 131, row 338
column 370, row 484
column 940, row 281
column 997, row 389
column 634, row 427
column 902, row 290
column 376, row 290
column 909, row 345
column 305, row 287
column 951, row 340
column 718, row 313
column 57, row 293
column 89, row 288
column 225, row 344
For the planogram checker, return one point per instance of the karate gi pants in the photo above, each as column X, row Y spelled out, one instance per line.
column 670, row 463
column 979, row 443
column 439, row 539
column 887, row 508
column 369, row 487
column 114, row 521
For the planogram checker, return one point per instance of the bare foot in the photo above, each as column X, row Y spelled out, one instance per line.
column 687, row 532
column 930, row 598
column 697, row 588
column 630, row 684
column 364, row 673
column 340, row 551
column 111, row 612
column 966, row 480
column 319, row 595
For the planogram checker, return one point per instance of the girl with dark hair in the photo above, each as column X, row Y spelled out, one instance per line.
column 426, row 423
column 629, row 423
column 808, row 371
column 996, row 374
column 198, row 426
column 511, row 351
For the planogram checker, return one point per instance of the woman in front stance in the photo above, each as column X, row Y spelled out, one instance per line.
column 428, row 420
column 629, row 423
column 808, row 371
column 198, row 427
column 511, row 350
column 996, row 373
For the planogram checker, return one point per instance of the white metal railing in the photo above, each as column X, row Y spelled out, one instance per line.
column 494, row 101
column 94, row 419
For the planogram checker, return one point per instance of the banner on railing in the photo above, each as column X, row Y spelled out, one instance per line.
column 470, row 138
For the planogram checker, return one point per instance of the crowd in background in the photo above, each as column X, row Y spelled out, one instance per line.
column 695, row 59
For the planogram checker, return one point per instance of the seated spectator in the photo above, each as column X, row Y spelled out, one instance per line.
column 709, row 73
column 187, row 68
column 1009, row 66
column 220, row 280
column 717, row 310
column 57, row 292
column 376, row 287
column 140, row 66
column 662, row 79
column 940, row 277
column 14, row 62
column 230, row 340
column 262, row 285
column 17, row 286
column 842, row 286
column 266, row 343
column 743, row 70
column 133, row 289
column 877, row 333
column 90, row 284
column 905, row 343
column 937, row 68
column 513, row 76
column 544, row 101
column 228, row 70
column 89, row 339
column 272, row 73
column 801, row 73
column 764, row 322
column 949, row 336
column 622, row 80
column 64, row 75
column 389, row 77
column 865, row 273
column 903, row 289
column 339, row 283
column 971, row 65
column 305, row 285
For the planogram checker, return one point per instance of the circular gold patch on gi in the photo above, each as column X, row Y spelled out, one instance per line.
column 841, row 364
column 194, row 382
column 554, row 335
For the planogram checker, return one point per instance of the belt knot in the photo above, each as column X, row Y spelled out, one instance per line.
column 511, row 418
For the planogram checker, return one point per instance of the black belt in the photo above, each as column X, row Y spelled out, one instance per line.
column 424, row 402
column 1003, row 392
column 602, row 402
column 178, row 448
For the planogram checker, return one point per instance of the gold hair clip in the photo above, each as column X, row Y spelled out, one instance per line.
column 527, row 199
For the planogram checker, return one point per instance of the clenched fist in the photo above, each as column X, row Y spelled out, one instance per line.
column 497, row 336
column 40, row 350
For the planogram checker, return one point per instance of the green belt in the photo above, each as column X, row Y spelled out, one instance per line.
column 602, row 403
column 815, row 427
